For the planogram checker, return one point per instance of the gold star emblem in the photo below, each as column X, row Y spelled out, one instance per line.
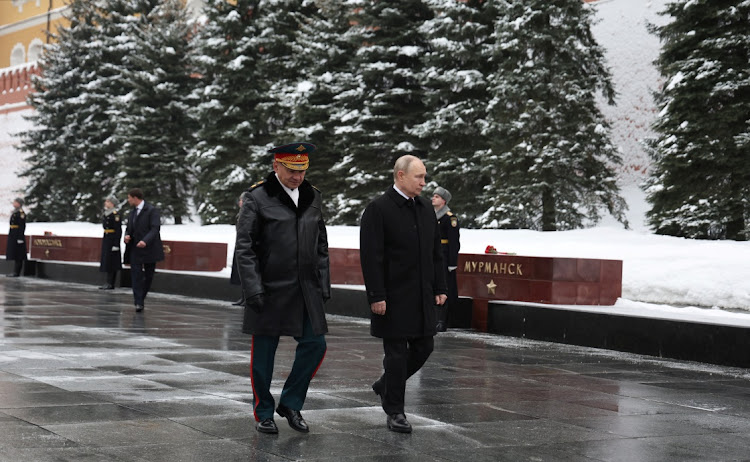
column 491, row 287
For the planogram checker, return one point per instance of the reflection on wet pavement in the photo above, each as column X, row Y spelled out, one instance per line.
column 84, row 377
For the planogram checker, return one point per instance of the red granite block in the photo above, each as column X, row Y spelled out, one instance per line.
column 588, row 270
column 518, row 289
column 611, row 271
column 587, row 293
column 542, row 268
column 565, row 269
column 564, row 293
column 610, row 292
column 479, row 315
column 539, row 292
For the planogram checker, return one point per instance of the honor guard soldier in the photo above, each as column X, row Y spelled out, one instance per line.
column 282, row 260
column 449, row 240
column 16, row 247
column 111, row 260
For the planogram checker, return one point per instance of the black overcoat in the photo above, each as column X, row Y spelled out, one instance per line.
column 402, row 263
column 16, row 250
column 111, row 260
column 282, row 253
column 145, row 228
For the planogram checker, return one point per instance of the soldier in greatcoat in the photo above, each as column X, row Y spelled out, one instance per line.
column 16, row 246
column 282, row 259
column 111, row 259
column 449, row 240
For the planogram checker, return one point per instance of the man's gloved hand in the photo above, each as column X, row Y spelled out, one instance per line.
column 255, row 303
column 19, row 241
column 115, row 249
column 452, row 268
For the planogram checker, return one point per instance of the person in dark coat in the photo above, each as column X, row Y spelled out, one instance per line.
column 234, row 276
column 282, row 259
column 111, row 260
column 449, row 240
column 402, row 265
column 16, row 246
column 143, row 245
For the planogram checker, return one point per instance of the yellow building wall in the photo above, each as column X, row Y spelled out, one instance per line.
column 26, row 25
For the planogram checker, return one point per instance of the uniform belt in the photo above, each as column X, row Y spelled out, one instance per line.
column 443, row 241
column 13, row 226
column 107, row 231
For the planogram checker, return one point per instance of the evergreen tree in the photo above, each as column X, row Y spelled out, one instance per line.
column 230, row 153
column 551, row 159
column 324, row 50
column 73, row 98
column 52, row 163
column 699, row 183
column 154, row 130
column 456, row 99
column 376, row 114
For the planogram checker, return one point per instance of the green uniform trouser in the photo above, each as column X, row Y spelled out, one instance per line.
column 311, row 350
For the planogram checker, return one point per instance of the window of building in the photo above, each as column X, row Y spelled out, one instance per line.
column 18, row 55
column 35, row 49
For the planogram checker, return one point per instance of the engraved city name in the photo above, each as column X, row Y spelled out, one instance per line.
column 48, row 243
column 489, row 267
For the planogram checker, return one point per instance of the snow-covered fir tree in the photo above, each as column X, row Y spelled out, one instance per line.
column 154, row 130
column 65, row 69
column 73, row 99
column 324, row 50
column 230, row 153
column 456, row 66
column 551, row 160
column 699, row 183
column 375, row 118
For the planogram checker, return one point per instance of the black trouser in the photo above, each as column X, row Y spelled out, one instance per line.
column 403, row 358
column 111, row 277
column 17, row 268
column 141, row 275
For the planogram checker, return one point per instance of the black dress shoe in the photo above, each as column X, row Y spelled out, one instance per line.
column 440, row 326
column 267, row 426
column 107, row 287
column 398, row 423
column 139, row 308
column 294, row 418
column 377, row 387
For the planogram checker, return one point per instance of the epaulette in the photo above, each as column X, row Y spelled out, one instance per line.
column 255, row 185
column 315, row 188
column 450, row 214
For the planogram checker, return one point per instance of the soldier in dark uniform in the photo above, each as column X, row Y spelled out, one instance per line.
column 449, row 240
column 282, row 259
column 16, row 249
column 111, row 260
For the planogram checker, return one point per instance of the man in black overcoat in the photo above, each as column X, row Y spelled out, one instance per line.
column 16, row 247
column 143, row 245
column 402, row 265
column 110, row 261
column 282, row 259
column 450, row 241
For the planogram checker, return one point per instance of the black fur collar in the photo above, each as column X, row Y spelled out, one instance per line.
column 306, row 193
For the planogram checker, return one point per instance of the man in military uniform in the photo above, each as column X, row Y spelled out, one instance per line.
column 449, row 240
column 111, row 260
column 282, row 260
column 16, row 248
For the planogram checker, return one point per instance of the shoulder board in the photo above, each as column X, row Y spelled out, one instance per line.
column 255, row 185
column 450, row 214
column 315, row 187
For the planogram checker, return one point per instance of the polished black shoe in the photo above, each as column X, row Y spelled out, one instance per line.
column 294, row 418
column 440, row 326
column 139, row 308
column 377, row 387
column 398, row 423
column 107, row 287
column 267, row 426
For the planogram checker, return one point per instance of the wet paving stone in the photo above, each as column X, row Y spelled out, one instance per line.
column 85, row 378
